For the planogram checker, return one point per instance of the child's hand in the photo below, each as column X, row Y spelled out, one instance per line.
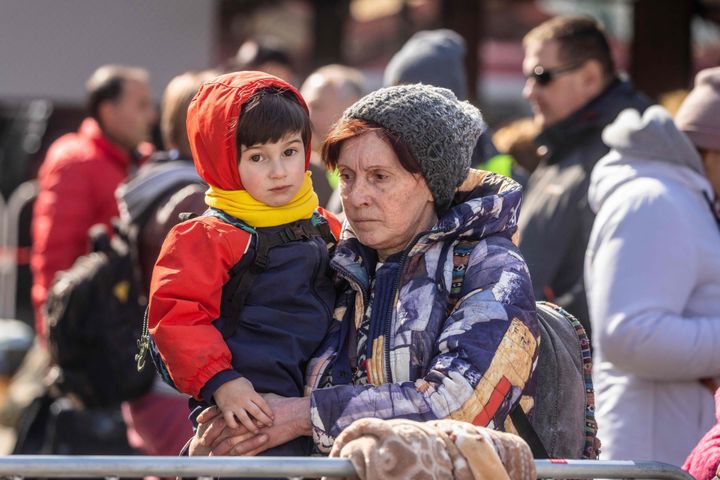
column 238, row 400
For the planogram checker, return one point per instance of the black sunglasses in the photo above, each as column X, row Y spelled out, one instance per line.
column 543, row 76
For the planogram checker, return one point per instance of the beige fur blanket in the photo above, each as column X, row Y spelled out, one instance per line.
column 441, row 449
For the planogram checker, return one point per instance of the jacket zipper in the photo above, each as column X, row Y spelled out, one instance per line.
column 389, row 317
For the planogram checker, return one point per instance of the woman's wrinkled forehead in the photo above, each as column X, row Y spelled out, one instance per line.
column 368, row 151
column 353, row 129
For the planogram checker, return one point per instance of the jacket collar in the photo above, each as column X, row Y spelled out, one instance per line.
column 597, row 113
column 91, row 130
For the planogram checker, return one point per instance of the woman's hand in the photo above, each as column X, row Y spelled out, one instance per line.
column 214, row 437
column 213, row 432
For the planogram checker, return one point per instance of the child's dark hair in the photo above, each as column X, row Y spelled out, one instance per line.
column 270, row 114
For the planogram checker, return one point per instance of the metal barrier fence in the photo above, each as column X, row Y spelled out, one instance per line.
column 114, row 467
column 9, row 238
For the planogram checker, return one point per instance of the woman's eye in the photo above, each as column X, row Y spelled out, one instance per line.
column 380, row 176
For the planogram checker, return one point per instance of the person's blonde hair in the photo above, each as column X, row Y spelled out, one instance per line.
column 672, row 100
column 176, row 99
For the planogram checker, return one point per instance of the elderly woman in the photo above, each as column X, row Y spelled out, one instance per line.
column 436, row 316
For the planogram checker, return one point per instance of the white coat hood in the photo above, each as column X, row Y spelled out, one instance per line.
column 647, row 145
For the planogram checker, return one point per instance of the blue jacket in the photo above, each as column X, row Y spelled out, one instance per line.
column 423, row 362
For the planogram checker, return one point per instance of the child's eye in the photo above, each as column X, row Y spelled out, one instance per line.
column 290, row 152
column 255, row 158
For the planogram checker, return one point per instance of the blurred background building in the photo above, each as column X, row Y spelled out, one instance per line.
column 48, row 48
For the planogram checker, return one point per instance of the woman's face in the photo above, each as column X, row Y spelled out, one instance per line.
column 385, row 204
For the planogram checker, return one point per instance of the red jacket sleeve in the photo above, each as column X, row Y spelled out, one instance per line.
column 186, row 290
column 335, row 224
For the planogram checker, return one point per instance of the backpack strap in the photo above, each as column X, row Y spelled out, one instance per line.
column 461, row 256
column 527, row 432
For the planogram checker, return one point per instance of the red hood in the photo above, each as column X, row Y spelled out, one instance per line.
column 212, row 124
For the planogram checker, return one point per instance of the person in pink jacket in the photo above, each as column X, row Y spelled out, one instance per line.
column 703, row 462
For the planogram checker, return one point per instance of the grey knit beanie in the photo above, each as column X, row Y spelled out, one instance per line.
column 440, row 130
column 699, row 114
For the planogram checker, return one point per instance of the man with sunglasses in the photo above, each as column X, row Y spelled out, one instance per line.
column 574, row 91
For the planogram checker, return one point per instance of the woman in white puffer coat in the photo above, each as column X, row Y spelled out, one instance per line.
column 653, row 279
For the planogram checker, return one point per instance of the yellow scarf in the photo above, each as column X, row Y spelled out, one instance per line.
column 240, row 204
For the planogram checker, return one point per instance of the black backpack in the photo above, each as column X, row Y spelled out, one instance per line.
column 94, row 310
column 562, row 423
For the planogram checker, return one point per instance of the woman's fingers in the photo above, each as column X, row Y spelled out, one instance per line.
column 208, row 433
column 208, row 414
column 228, row 440
column 251, row 446
column 239, row 444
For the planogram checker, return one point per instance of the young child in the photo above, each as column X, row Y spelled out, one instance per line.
column 250, row 138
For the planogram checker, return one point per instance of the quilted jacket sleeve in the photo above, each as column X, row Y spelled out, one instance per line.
column 68, row 204
column 185, row 291
column 485, row 355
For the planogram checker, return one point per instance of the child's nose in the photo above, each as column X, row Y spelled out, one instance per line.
column 278, row 170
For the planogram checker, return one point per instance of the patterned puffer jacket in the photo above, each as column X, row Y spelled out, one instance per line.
column 423, row 360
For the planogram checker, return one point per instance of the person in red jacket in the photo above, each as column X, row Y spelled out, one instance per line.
column 249, row 133
column 82, row 170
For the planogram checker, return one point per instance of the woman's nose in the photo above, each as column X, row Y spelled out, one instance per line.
column 356, row 194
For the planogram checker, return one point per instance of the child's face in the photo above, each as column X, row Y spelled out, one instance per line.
column 273, row 172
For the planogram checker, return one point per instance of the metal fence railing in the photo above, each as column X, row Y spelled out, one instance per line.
column 10, row 212
column 113, row 467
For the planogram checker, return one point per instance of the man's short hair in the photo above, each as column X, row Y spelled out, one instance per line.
column 579, row 39
column 106, row 84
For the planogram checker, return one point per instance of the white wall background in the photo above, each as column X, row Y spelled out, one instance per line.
column 48, row 48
